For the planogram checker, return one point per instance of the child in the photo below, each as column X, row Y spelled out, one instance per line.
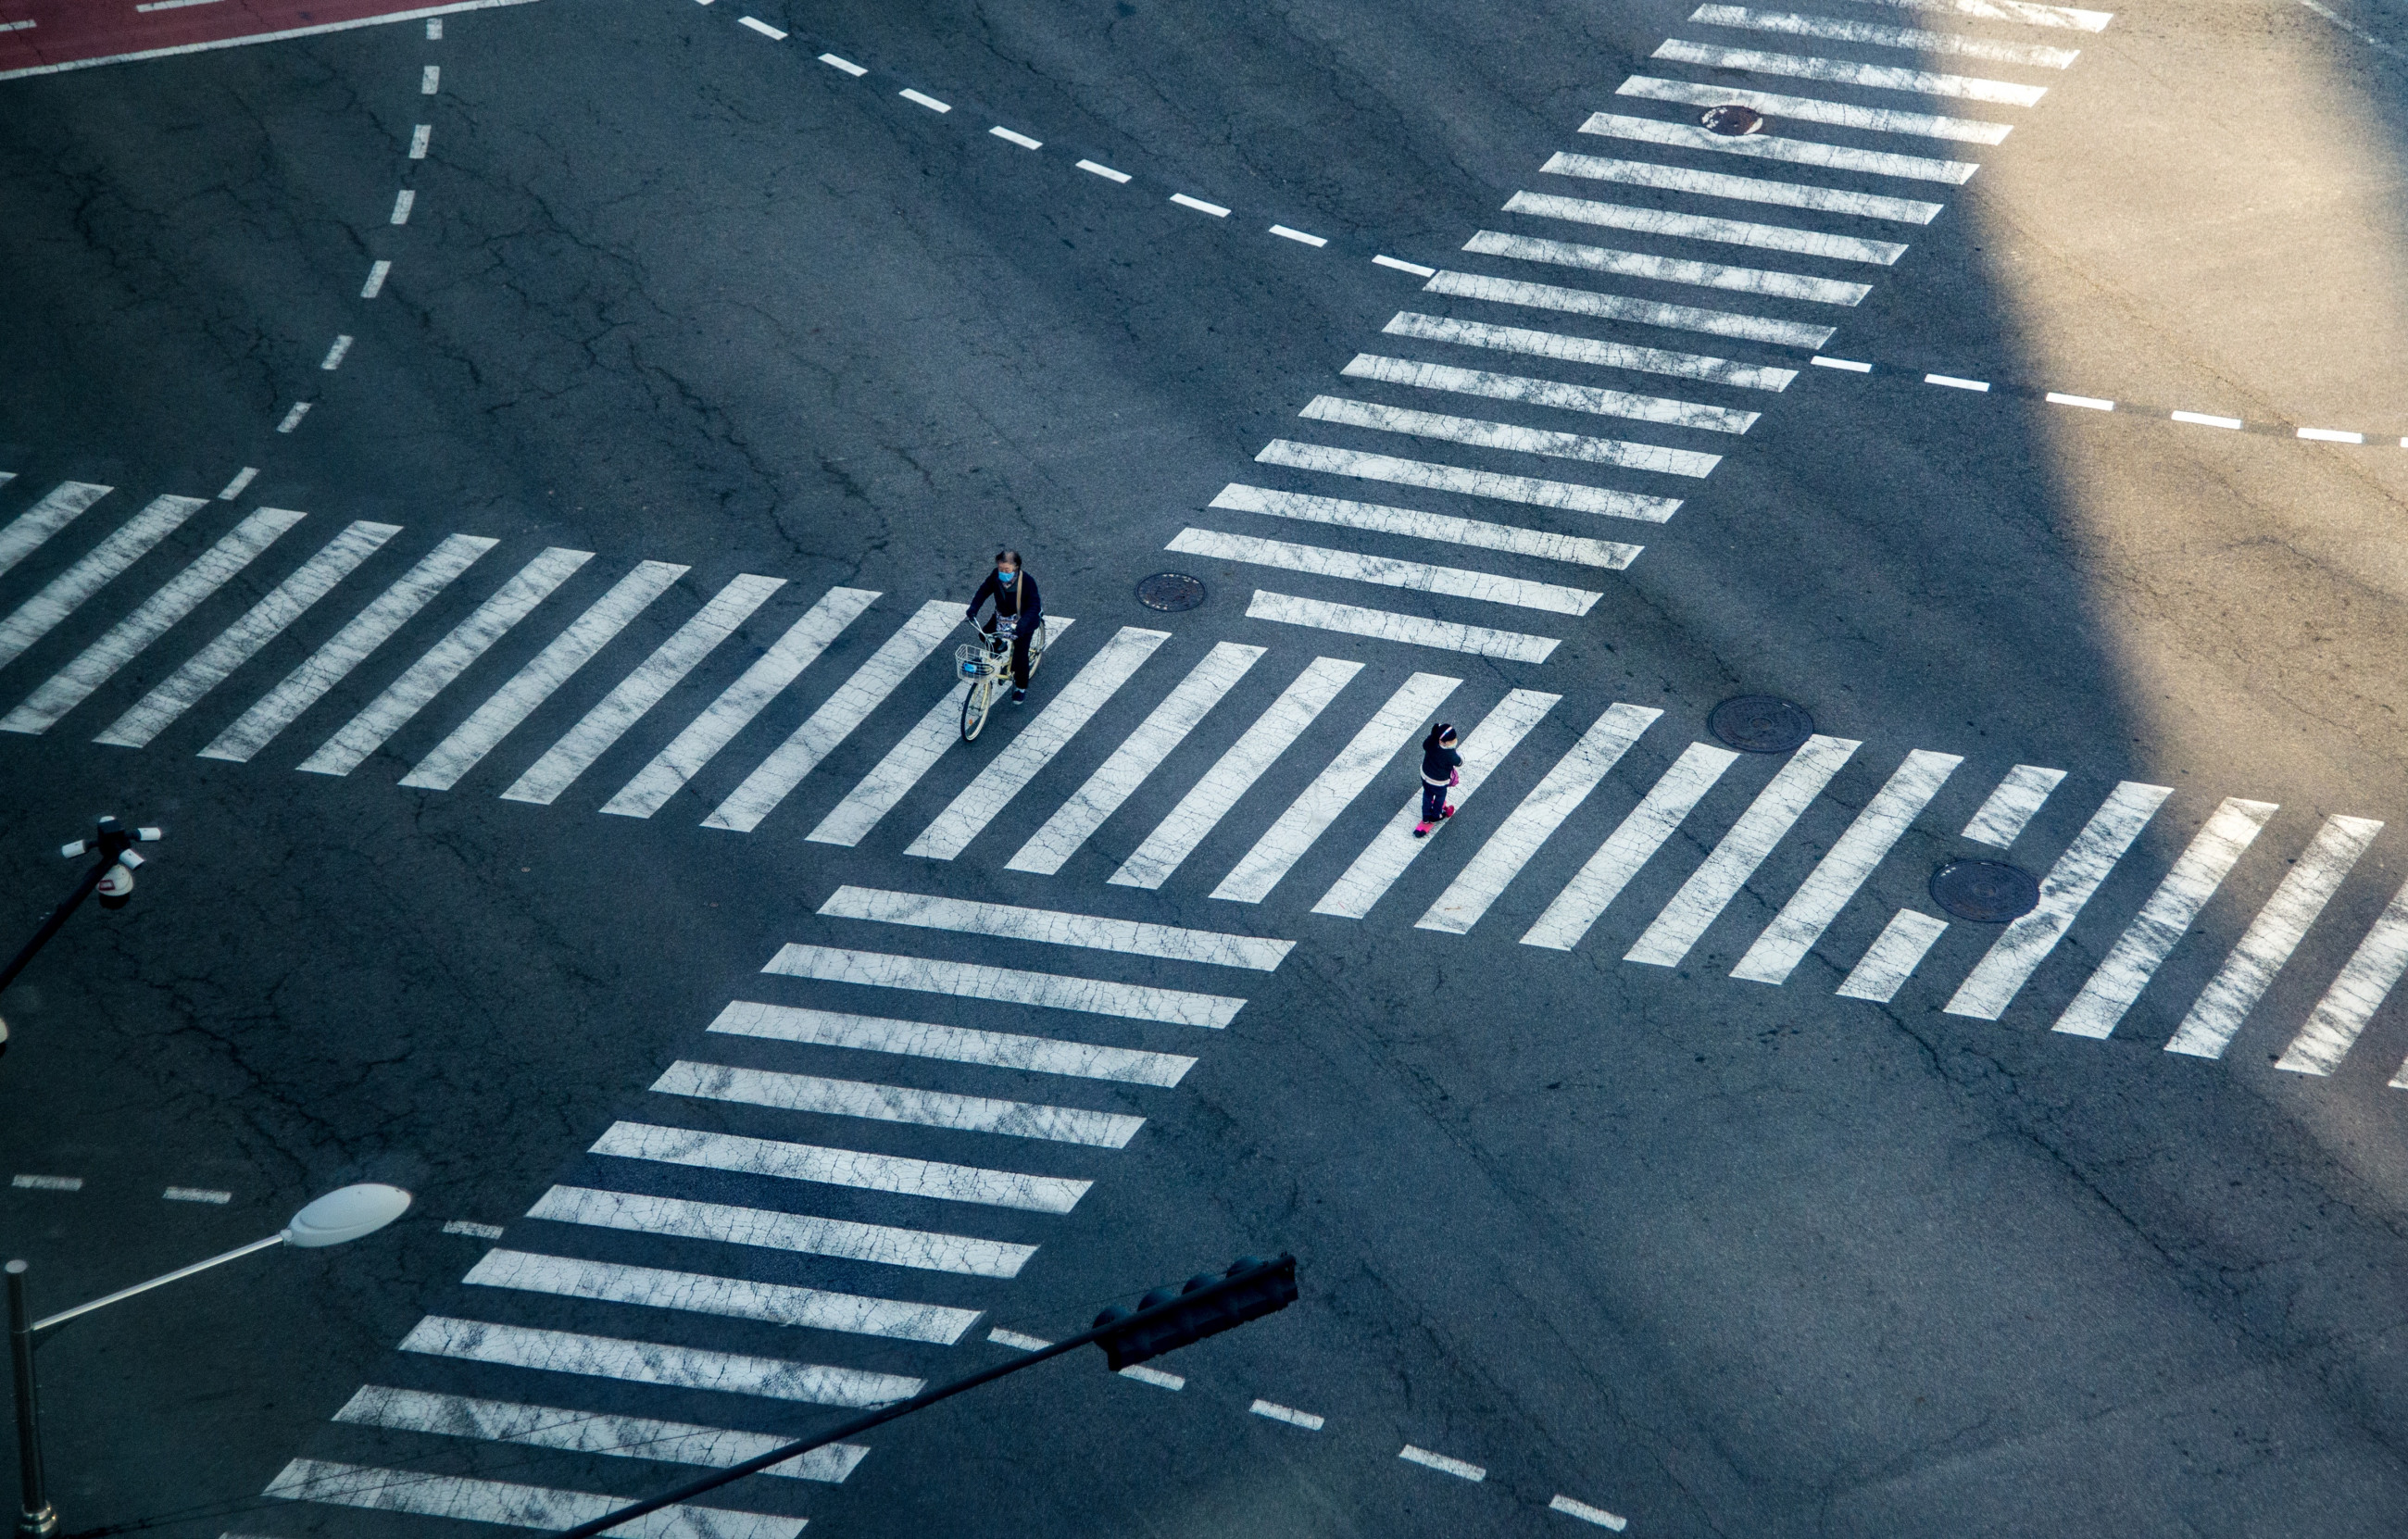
column 1442, row 768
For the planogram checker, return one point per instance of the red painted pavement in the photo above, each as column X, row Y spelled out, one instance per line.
column 70, row 34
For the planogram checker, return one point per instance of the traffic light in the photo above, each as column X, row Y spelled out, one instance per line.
column 1206, row 1305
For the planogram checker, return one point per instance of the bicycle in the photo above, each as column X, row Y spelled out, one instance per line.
column 986, row 665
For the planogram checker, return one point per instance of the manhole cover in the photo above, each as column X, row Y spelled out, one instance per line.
column 1760, row 723
column 1732, row 118
column 1984, row 891
column 1170, row 590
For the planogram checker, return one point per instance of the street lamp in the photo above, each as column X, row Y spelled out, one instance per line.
column 342, row 1215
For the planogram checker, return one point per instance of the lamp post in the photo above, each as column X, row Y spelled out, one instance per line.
column 341, row 1215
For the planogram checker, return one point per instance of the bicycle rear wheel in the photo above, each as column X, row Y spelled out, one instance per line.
column 974, row 708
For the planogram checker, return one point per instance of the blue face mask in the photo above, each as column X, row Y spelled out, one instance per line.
column 1005, row 578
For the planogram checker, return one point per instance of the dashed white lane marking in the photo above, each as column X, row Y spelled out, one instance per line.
column 1392, row 848
column 654, row 1362
column 474, row 1230
column 1413, row 267
column 2364, row 982
column 880, row 1244
column 503, row 1503
column 1586, row 349
column 1255, row 749
column 29, row 531
column 1725, row 232
column 502, row 712
column 1440, row 1463
column 97, row 664
column 420, row 138
column 377, row 274
column 1549, row 392
column 1836, row 878
column 1017, row 1341
column 1051, row 927
column 2330, row 435
column 1411, row 523
column 242, row 477
column 2004, row 812
column 1587, row 1513
column 736, row 1298
column 1298, row 235
column 925, row 100
column 346, row 648
column 197, row 1194
column 2089, row 403
column 1892, row 958
column 240, row 642
column 46, row 1183
column 435, row 29
column 1768, row 819
column 1288, row 1414
column 2026, row 942
column 333, row 359
column 1644, row 312
column 1567, row 495
column 892, row 1174
column 1385, row 570
column 1482, row 434
column 1104, row 171
column 2329, row 14
column 1119, row 776
column 951, row 1043
column 33, row 619
column 1833, row 29
column 1355, row 620
column 1952, row 382
column 1021, row 140
column 1846, row 72
column 443, row 662
column 1034, row 746
column 1586, row 898
column 430, row 79
column 1005, row 985
column 807, row 1092
column 763, row 28
column 2201, row 418
column 1848, row 366
column 641, row 689
column 403, row 202
column 1555, row 798
column 1154, row 1376
column 2146, row 942
column 845, row 65
column 1877, row 163
column 1717, row 184
column 801, row 645
column 2221, row 1007
column 1342, row 779
column 1662, row 269
column 1199, row 205
column 292, row 418
column 587, row 1431
column 1813, row 109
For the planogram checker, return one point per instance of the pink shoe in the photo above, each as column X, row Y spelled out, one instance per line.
column 1448, row 813
column 1421, row 830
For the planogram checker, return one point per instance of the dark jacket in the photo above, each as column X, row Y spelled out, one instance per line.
column 1020, row 598
column 1437, row 764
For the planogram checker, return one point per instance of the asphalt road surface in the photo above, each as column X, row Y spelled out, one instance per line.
column 500, row 486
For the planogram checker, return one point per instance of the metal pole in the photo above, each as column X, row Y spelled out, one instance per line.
column 56, row 918
column 37, row 1518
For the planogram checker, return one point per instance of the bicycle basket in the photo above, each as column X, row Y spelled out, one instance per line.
column 974, row 661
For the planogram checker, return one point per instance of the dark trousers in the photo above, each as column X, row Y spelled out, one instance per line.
column 1019, row 656
column 1433, row 802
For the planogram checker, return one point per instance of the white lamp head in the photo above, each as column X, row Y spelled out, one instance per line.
column 346, row 1214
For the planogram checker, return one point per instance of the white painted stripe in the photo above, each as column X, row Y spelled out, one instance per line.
column 2118, row 979
column 1875, row 163
column 2203, row 420
column 384, row 20
column 475, row 1231
column 1846, row 366
column 1199, row 205
column 769, row 674
column 1662, row 269
column 1869, row 34
column 1645, row 312
column 2331, row 436
column 1286, row 234
column 805, row 1092
column 233, row 489
column 30, row 530
column 1154, row 1376
column 1585, row 350
column 1843, row 870
column 47, row 1183
column 1531, row 491
column 240, row 642
column 641, row 689
column 1982, row 386
column 377, row 274
column 430, row 79
column 2217, row 1015
column 1407, row 630
column 1813, row 109
column 1288, row 1414
column 1892, row 958
column 924, row 100
column 1413, row 267
column 421, row 137
column 2003, row 814
column 1053, row 927
column 1006, row 985
column 1118, row 776
column 1386, row 572
column 511, row 1505
column 845, row 65
column 841, row 1167
column 1717, row 184
column 1211, row 798
column 1034, row 746
column 891, row 777
column 1482, row 434
column 334, row 352
column 2365, row 981
column 1393, row 847
column 401, row 205
column 951, row 1043
column 1846, row 72
column 1017, row 1341
column 653, row 1363
column 737, row 1297
column 2026, row 942
column 763, row 28
column 1412, row 524
column 1587, row 1513
column 2092, row 402
column 1727, row 231
column 1342, row 779
column 1711, row 888
column 446, row 661
column 1586, row 898
column 878, row 1244
column 1549, row 392
column 599, row 1432
column 33, row 619
column 1104, row 171
column 97, row 664
column 532, row 685
column 1441, row 1464
column 346, row 648
column 1554, row 799
column 1021, row 140
column 197, row 1194
column 292, row 418
column 2011, row 10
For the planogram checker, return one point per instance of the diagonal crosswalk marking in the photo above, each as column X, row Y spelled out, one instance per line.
column 1725, row 232
column 1592, row 888
column 892, row 1174
column 737, row 1297
column 1872, row 34
column 63, row 595
column 2004, row 812
column 508, row 1503
column 1846, row 72
column 2249, row 971
column 1717, row 184
column 1004, row 985
column 2023, row 12
column 1505, row 435
column 654, row 1362
column 1878, row 163
column 2365, row 981
column 1815, row 109
column 880, row 1245
column 806, row 1093
column 603, row 1434
column 1567, row 495
column 1892, row 958
column 1053, row 927
column 1644, row 312
column 1664, row 269
column 1587, row 350
column 1386, row 571
column 951, row 1043
column 1373, row 517
column 29, row 531
column 1549, row 392
column 1408, row 630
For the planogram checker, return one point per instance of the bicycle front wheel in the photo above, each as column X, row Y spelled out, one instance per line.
column 974, row 707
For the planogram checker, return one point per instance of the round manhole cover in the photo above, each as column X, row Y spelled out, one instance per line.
column 1170, row 590
column 1732, row 118
column 1760, row 723
column 1986, row 891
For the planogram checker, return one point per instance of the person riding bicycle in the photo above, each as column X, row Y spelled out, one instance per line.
column 1014, row 592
